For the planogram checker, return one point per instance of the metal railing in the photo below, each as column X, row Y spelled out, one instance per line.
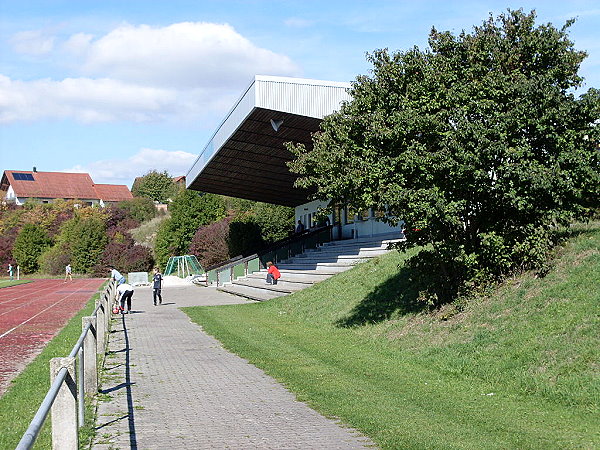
column 279, row 251
column 65, row 399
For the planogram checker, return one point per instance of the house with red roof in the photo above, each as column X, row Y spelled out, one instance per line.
column 19, row 186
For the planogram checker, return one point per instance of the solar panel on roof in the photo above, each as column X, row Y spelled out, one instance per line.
column 23, row 176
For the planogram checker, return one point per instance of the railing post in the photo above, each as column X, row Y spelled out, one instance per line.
column 101, row 328
column 64, row 409
column 90, row 371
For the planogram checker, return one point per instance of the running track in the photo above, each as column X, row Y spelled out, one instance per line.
column 32, row 314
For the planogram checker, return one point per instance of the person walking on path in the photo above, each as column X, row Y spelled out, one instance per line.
column 272, row 273
column 116, row 275
column 68, row 272
column 10, row 271
column 125, row 292
column 157, row 286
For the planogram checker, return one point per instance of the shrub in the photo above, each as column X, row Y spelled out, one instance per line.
column 189, row 211
column 244, row 236
column 275, row 221
column 89, row 244
column 29, row 245
column 128, row 258
column 210, row 243
column 139, row 208
column 54, row 259
column 7, row 241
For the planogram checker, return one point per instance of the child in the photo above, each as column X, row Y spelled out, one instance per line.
column 157, row 279
column 125, row 292
column 272, row 273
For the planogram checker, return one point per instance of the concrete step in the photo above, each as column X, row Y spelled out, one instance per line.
column 335, row 261
column 298, row 280
column 369, row 241
column 250, row 292
column 352, row 245
column 330, row 257
column 358, row 251
column 326, row 267
column 313, row 276
column 315, row 265
column 281, row 286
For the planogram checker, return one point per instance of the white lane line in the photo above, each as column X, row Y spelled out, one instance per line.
column 34, row 316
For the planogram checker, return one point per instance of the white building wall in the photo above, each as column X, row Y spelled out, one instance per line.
column 358, row 228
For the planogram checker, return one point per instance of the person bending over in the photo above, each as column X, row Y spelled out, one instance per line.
column 125, row 292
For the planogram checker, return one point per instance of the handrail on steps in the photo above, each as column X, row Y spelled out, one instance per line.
column 276, row 252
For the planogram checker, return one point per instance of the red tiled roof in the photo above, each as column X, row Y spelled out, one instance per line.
column 113, row 192
column 179, row 178
column 63, row 185
column 53, row 185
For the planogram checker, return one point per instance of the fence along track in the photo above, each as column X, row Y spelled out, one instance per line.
column 66, row 397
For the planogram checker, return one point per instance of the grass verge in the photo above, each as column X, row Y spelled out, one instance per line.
column 27, row 391
column 8, row 283
column 517, row 369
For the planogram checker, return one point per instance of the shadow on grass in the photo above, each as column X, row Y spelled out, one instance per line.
column 395, row 296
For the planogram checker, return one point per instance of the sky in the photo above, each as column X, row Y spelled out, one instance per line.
column 118, row 88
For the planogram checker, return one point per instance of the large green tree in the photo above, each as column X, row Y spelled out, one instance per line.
column 30, row 243
column 478, row 143
column 157, row 186
column 189, row 211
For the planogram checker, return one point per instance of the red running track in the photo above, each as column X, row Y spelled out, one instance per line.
column 32, row 314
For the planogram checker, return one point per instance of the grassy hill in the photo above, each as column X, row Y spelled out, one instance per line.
column 517, row 369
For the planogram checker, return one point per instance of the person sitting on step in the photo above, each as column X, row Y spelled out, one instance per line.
column 272, row 273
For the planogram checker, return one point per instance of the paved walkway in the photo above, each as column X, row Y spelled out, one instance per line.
column 170, row 385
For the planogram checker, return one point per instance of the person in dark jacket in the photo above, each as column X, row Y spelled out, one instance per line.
column 157, row 286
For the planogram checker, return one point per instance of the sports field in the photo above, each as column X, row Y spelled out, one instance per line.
column 31, row 314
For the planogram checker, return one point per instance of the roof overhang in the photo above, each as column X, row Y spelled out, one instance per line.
column 246, row 157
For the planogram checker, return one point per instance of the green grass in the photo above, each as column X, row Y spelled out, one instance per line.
column 7, row 283
column 20, row 403
column 517, row 369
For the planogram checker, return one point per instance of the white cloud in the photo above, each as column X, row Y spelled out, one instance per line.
column 183, row 55
column 182, row 72
column 33, row 42
column 83, row 99
column 124, row 171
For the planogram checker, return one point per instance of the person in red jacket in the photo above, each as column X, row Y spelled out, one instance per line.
column 272, row 273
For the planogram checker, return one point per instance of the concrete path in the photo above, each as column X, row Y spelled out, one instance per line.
column 171, row 386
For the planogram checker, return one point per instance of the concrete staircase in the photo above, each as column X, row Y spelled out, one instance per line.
column 309, row 268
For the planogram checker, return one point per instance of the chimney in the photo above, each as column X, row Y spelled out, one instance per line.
column 34, row 169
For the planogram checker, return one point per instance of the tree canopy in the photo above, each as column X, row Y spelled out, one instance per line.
column 477, row 143
column 157, row 186
column 189, row 211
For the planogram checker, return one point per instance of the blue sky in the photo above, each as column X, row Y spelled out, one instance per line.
column 117, row 88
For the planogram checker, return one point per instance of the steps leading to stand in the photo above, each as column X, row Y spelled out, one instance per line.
column 311, row 267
